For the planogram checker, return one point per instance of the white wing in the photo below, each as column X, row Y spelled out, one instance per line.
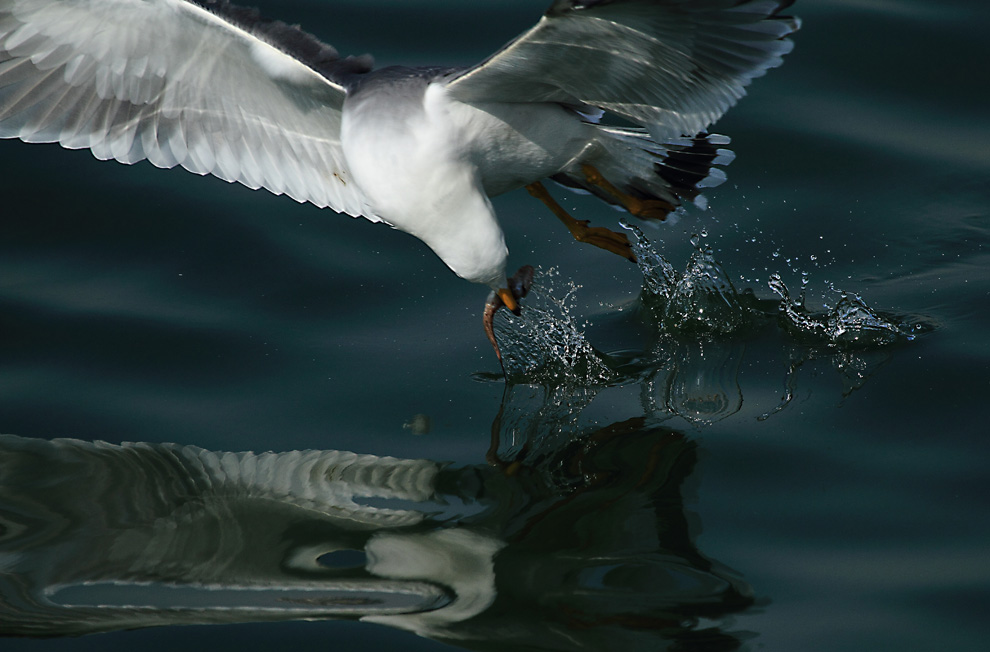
column 167, row 81
column 671, row 65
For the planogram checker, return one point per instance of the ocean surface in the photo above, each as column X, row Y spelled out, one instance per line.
column 263, row 421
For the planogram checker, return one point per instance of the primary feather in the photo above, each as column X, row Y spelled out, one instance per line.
column 174, row 83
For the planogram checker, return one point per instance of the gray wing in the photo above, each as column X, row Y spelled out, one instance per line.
column 674, row 66
column 169, row 81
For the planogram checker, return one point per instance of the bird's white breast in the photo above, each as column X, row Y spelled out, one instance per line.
column 409, row 159
column 428, row 163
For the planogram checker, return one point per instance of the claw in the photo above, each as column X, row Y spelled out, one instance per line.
column 510, row 297
column 656, row 209
column 599, row 236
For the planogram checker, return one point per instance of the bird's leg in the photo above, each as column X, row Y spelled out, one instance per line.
column 601, row 237
column 655, row 209
column 517, row 287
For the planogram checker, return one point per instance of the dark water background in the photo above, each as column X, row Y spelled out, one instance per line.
column 145, row 305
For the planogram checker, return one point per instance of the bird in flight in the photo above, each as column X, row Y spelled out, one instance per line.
column 610, row 97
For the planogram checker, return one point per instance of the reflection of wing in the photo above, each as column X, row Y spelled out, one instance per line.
column 168, row 81
column 670, row 65
column 98, row 537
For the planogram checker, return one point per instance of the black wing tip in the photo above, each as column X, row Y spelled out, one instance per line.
column 686, row 166
column 291, row 39
column 689, row 165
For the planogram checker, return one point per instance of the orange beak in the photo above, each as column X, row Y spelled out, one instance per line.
column 508, row 300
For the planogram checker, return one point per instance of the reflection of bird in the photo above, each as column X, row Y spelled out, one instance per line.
column 588, row 548
column 217, row 89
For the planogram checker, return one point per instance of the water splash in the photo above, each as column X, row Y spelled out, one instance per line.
column 699, row 328
column 701, row 300
column 659, row 276
column 851, row 324
column 546, row 342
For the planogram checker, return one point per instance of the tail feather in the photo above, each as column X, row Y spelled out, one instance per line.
column 673, row 172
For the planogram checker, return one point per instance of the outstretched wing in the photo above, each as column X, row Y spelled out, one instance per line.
column 218, row 91
column 673, row 66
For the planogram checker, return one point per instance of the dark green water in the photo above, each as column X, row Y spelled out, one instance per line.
column 753, row 489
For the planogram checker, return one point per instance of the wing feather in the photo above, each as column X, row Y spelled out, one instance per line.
column 670, row 65
column 173, row 83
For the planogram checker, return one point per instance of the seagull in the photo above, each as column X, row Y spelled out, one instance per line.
column 608, row 97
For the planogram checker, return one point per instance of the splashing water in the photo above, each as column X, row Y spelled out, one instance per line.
column 545, row 342
column 699, row 327
column 659, row 277
column 701, row 300
column 850, row 324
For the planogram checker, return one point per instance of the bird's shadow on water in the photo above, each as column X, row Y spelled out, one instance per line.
column 576, row 532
